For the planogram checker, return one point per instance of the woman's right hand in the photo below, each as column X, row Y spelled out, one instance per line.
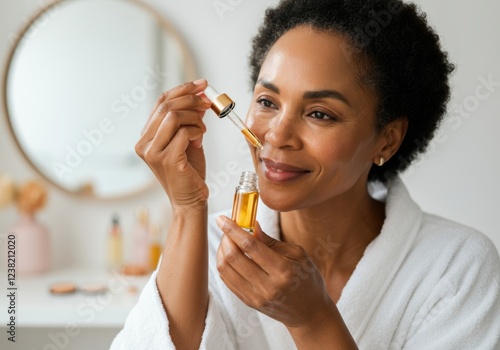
column 171, row 144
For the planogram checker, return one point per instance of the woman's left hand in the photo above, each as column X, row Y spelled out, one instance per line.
column 276, row 278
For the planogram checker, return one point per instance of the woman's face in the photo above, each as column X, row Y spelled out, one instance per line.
column 315, row 120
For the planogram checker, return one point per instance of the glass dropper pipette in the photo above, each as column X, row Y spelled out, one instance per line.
column 223, row 106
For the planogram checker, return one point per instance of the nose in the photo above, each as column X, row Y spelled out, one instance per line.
column 284, row 131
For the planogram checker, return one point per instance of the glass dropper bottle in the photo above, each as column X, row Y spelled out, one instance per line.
column 223, row 106
column 245, row 201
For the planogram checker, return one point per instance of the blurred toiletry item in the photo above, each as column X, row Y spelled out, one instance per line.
column 32, row 244
column 140, row 239
column 245, row 201
column 115, row 245
column 132, row 290
column 94, row 288
column 7, row 190
column 63, row 288
column 32, row 197
column 155, row 248
column 32, row 239
column 134, row 270
column 223, row 106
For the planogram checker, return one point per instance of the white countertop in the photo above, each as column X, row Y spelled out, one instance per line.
column 37, row 307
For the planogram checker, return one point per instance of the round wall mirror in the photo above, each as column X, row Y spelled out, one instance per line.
column 79, row 86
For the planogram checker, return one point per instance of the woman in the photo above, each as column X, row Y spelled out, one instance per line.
column 346, row 95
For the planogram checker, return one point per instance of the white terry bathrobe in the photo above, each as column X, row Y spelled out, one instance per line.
column 424, row 283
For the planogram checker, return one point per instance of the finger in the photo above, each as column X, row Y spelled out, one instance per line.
column 237, row 285
column 263, row 237
column 232, row 278
column 187, row 102
column 192, row 134
column 198, row 143
column 190, row 88
column 234, row 256
column 172, row 123
column 169, row 126
column 195, row 85
column 188, row 134
column 175, row 155
column 248, row 291
column 264, row 256
column 281, row 248
column 199, row 103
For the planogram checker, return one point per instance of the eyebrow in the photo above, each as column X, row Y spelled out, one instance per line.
column 308, row 95
column 326, row 94
column 268, row 85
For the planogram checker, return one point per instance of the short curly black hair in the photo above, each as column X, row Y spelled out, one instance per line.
column 403, row 61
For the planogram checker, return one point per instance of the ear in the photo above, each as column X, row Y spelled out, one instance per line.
column 390, row 139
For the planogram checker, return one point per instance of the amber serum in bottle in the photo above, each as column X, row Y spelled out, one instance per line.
column 245, row 201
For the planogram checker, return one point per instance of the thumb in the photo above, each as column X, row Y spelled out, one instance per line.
column 269, row 241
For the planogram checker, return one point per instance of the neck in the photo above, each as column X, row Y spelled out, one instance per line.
column 336, row 233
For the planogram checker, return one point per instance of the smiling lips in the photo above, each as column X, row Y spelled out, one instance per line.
column 280, row 172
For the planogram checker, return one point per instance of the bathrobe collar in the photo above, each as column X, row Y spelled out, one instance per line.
column 381, row 259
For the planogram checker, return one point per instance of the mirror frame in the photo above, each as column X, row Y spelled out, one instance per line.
column 189, row 69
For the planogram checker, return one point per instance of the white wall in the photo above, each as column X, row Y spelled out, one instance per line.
column 457, row 179
column 459, row 176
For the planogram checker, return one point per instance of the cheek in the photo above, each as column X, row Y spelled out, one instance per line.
column 342, row 150
column 257, row 124
column 327, row 151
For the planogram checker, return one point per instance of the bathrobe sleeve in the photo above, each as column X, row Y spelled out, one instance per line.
column 463, row 309
column 147, row 325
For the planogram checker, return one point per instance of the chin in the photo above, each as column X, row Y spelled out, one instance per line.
column 281, row 202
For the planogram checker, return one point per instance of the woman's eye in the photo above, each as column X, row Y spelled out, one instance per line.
column 265, row 103
column 321, row 116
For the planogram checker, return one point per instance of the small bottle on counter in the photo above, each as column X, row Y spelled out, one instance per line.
column 140, row 239
column 155, row 248
column 115, row 245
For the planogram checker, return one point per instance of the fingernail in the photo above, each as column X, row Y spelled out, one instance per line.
column 198, row 142
column 199, row 82
column 220, row 221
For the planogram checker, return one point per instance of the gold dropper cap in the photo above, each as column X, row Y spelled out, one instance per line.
column 222, row 105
